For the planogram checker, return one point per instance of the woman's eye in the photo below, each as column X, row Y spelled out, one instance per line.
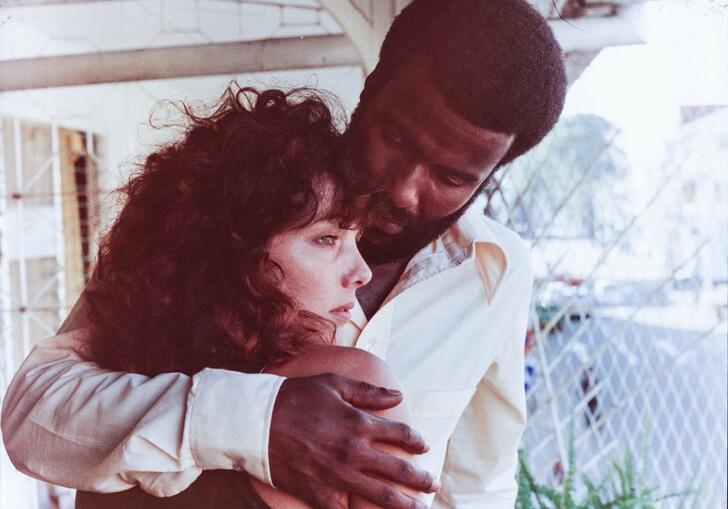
column 327, row 240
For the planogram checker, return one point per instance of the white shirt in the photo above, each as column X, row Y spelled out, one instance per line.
column 452, row 329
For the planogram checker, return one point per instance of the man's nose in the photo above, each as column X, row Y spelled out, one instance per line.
column 406, row 187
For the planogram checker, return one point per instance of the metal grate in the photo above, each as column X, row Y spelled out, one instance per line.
column 627, row 341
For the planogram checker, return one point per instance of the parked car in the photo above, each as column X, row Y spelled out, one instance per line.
column 564, row 296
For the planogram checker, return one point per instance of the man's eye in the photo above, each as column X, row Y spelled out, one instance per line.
column 392, row 137
column 327, row 240
column 452, row 180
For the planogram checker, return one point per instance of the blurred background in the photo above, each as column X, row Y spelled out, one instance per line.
column 625, row 206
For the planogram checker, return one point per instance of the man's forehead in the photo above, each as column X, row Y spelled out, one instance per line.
column 411, row 101
column 411, row 96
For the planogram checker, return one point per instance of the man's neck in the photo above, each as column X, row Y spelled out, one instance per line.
column 384, row 278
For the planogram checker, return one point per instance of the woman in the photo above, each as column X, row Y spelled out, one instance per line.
column 235, row 249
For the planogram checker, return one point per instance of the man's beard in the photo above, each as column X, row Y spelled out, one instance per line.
column 378, row 247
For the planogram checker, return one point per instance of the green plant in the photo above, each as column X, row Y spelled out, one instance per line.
column 623, row 486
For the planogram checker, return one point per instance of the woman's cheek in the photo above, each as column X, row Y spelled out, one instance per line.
column 315, row 262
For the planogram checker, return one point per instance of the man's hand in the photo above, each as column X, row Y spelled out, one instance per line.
column 321, row 444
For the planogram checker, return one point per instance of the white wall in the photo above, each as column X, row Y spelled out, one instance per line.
column 117, row 113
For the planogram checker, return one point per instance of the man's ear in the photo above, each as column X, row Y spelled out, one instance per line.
column 373, row 82
column 373, row 76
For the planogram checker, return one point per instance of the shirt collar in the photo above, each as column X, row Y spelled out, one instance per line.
column 470, row 238
column 358, row 317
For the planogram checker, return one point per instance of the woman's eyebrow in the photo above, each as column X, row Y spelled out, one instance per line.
column 327, row 222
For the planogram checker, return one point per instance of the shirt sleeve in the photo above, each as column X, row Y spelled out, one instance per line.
column 482, row 459
column 69, row 422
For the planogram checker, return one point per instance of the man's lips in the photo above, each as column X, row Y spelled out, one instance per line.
column 388, row 226
column 343, row 312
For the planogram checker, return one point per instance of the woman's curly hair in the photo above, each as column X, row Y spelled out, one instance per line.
column 183, row 280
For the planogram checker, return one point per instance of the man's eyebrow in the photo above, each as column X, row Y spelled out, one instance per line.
column 408, row 141
column 389, row 120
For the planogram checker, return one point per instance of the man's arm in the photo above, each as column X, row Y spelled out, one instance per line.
column 482, row 458
column 67, row 421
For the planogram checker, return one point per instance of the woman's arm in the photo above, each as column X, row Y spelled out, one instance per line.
column 358, row 365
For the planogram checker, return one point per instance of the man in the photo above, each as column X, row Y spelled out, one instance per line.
column 461, row 88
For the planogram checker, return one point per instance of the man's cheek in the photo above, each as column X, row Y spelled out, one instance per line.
column 447, row 205
column 381, row 160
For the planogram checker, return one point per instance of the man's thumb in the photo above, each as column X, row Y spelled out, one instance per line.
column 367, row 396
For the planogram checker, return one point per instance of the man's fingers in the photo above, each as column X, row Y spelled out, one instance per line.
column 399, row 434
column 366, row 396
column 326, row 498
column 383, row 494
column 400, row 471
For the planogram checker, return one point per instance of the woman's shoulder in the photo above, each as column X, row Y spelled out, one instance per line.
column 339, row 360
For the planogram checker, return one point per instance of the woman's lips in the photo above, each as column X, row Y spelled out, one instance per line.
column 343, row 313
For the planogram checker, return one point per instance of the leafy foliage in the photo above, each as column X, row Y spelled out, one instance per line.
column 624, row 486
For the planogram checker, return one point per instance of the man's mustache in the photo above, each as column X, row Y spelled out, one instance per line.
column 385, row 209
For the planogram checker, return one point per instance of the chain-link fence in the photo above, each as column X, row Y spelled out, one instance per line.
column 627, row 341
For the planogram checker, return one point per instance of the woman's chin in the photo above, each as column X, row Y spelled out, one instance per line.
column 339, row 317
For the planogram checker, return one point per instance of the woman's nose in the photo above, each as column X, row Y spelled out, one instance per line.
column 360, row 273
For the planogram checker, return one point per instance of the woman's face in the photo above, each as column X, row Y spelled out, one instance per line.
column 322, row 268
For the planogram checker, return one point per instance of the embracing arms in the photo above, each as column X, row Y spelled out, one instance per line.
column 67, row 421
